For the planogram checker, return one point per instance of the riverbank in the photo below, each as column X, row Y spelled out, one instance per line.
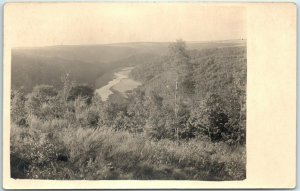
column 120, row 82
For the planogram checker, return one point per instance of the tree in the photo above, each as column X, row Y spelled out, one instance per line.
column 238, row 109
column 137, row 109
column 155, row 125
column 180, row 63
column 210, row 118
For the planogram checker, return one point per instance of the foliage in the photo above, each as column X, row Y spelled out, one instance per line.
column 41, row 161
column 17, row 110
column 180, row 62
column 42, row 102
column 84, row 91
column 210, row 119
column 218, row 71
column 149, row 134
column 77, row 153
column 68, row 84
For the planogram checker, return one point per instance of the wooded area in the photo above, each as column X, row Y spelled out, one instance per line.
column 186, row 121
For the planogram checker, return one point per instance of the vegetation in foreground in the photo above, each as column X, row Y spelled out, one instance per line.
column 174, row 126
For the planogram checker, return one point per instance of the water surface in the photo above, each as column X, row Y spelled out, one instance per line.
column 121, row 83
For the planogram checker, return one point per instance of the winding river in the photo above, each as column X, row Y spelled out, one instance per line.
column 121, row 83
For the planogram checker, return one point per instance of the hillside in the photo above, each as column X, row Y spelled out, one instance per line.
column 215, row 70
column 87, row 63
column 185, row 121
column 212, row 78
column 29, row 71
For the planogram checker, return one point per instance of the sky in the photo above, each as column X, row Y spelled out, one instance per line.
column 46, row 24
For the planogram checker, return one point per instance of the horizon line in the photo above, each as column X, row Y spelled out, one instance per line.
column 115, row 43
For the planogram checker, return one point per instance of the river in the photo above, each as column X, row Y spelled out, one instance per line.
column 121, row 83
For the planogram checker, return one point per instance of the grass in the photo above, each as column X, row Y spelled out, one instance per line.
column 76, row 140
column 57, row 152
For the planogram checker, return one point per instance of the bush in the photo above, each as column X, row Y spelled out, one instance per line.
column 17, row 110
column 57, row 152
column 84, row 91
column 40, row 162
column 135, row 157
column 210, row 118
column 43, row 102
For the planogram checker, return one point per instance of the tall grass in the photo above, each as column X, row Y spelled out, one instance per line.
column 71, row 134
column 102, row 153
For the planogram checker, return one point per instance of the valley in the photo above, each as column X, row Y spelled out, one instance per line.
column 130, row 111
column 121, row 83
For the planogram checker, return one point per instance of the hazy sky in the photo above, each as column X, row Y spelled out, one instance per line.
column 41, row 24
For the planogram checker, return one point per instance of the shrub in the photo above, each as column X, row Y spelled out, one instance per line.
column 211, row 119
column 43, row 102
column 92, row 118
column 40, row 162
column 17, row 110
column 84, row 91
column 57, row 152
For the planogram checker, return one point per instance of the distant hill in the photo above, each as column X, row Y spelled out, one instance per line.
column 30, row 70
column 88, row 63
column 216, row 44
column 216, row 68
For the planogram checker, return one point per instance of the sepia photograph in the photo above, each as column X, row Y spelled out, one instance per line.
column 168, row 104
column 133, row 91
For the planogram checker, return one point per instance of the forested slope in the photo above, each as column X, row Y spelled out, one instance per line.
column 216, row 70
column 87, row 63
column 187, row 121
